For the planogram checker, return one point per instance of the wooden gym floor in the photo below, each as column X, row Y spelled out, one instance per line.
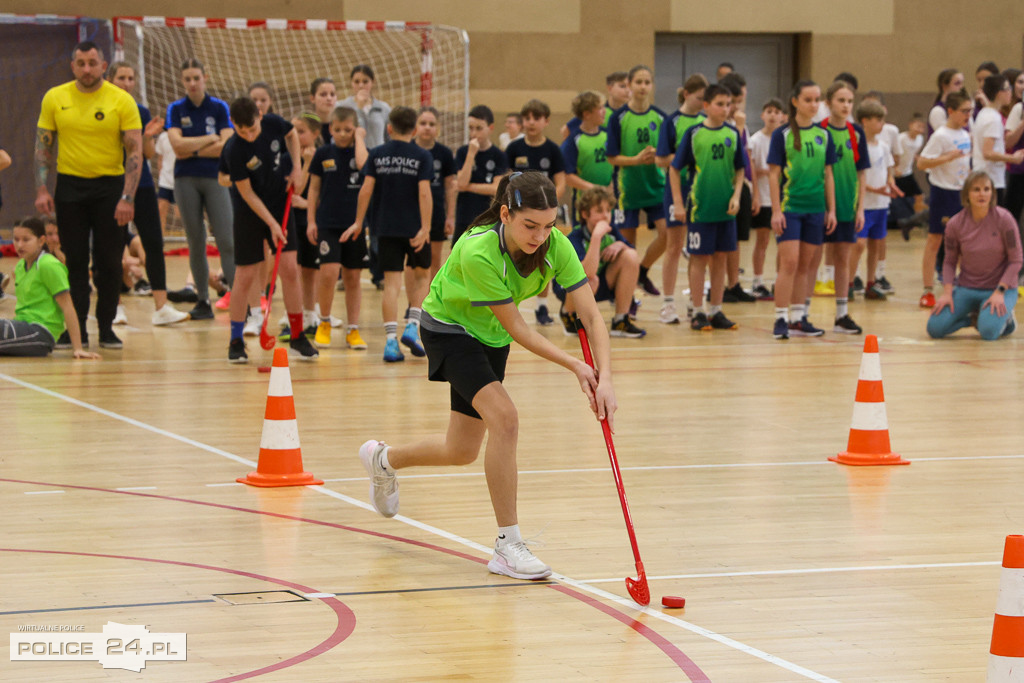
column 118, row 486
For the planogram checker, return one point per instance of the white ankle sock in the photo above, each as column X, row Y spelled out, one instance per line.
column 509, row 534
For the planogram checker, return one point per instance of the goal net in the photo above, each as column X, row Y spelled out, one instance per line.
column 415, row 64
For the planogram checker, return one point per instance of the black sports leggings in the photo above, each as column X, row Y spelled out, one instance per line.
column 147, row 222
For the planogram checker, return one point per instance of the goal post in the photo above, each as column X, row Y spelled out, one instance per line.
column 415, row 63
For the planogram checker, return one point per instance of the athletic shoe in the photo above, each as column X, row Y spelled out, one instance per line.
column 874, row 292
column 323, row 334
column 668, row 314
column 392, row 354
column 64, row 341
column 201, row 311
column 109, row 340
column 824, row 288
column 301, row 348
column 411, row 339
column 781, row 329
column 236, row 352
column 168, row 315
column 626, row 328
column 804, row 328
column 219, row 283
column 762, row 293
column 858, row 284
column 700, row 322
column 340, row 287
column 649, row 287
column 383, row 483
column 121, row 317
column 355, row 340
column 253, row 324
column 845, row 325
column 635, row 304
column 739, row 295
column 886, row 286
column 185, row 295
column 927, row 300
column 543, row 317
column 223, row 303
column 309, row 331
column 516, row 560
column 568, row 322
column 1011, row 326
column 142, row 288
column 720, row 322
column 336, row 322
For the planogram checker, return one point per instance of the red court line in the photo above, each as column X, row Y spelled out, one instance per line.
column 678, row 657
column 346, row 617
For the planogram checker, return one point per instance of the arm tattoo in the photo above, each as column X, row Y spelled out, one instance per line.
column 132, row 140
column 45, row 140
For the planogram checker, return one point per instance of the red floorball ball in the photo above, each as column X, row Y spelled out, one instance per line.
column 264, row 368
column 673, row 601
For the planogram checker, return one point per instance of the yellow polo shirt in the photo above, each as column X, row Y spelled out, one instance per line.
column 89, row 127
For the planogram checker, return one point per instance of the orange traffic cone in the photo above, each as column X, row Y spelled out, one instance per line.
column 1006, row 660
column 869, row 431
column 280, row 462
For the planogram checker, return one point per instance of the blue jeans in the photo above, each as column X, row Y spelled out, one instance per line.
column 965, row 302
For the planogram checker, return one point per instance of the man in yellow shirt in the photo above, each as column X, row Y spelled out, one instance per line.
column 98, row 162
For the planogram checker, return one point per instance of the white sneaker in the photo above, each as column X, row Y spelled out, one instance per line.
column 516, row 560
column 122, row 317
column 253, row 324
column 383, row 484
column 336, row 322
column 668, row 314
column 168, row 315
column 310, row 319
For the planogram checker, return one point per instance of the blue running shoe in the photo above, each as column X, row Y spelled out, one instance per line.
column 411, row 338
column 392, row 354
column 804, row 328
column 781, row 330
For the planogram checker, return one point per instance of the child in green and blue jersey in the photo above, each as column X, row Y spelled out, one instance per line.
column 632, row 135
column 714, row 158
column 800, row 159
column 586, row 162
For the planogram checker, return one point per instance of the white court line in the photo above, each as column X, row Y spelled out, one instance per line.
column 40, row 493
column 816, row 570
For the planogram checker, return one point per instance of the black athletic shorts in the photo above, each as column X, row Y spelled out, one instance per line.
column 465, row 363
column 745, row 216
column 251, row 234
column 908, row 184
column 308, row 254
column 351, row 254
column 437, row 231
column 395, row 253
column 763, row 218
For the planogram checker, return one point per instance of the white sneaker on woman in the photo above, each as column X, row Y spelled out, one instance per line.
column 168, row 315
column 121, row 318
column 516, row 560
column 383, row 484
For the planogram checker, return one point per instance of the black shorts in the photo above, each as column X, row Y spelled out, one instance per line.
column 351, row 255
column 908, row 184
column 762, row 219
column 437, row 230
column 251, row 234
column 395, row 253
column 745, row 216
column 465, row 363
column 308, row 254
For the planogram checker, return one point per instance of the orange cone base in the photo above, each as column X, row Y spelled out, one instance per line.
column 267, row 480
column 847, row 458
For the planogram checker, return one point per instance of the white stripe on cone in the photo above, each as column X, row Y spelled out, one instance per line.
column 280, row 382
column 869, row 417
column 1005, row 669
column 870, row 367
column 1011, row 594
column 280, row 435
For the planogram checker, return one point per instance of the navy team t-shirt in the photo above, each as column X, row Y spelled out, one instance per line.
column 261, row 163
column 340, row 180
column 397, row 168
column 488, row 164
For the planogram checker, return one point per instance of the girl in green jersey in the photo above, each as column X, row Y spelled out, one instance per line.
column 507, row 255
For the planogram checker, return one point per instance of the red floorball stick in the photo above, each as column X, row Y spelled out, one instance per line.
column 637, row 587
column 267, row 340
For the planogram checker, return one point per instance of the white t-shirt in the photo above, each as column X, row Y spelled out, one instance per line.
column 167, row 158
column 759, row 143
column 823, row 112
column 989, row 124
column 878, row 174
column 937, row 116
column 911, row 146
column 1015, row 117
column 952, row 174
column 890, row 135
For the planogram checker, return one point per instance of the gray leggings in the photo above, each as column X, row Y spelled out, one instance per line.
column 192, row 194
column 19, row 338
